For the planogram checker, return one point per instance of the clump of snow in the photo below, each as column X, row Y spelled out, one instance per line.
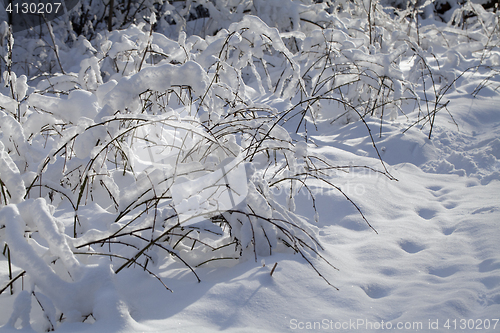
column 11, row 178
column 79, row 104
column 160, row 78
column 21, row 310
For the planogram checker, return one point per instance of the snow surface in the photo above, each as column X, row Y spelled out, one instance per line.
column 431, row 256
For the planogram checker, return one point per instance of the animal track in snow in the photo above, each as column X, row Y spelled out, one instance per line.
column 427, row 213
column 411, row 247
column 376, row 290
column 449, row 230
column 435, row 188
column 444, row 271
column 489, row 265
column 491, row 282
column 485, row 209
column 450, row 205
column 438, row 191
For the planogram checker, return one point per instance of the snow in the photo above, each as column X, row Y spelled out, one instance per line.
column 13, row 181
column 159, row 78
column 21, row 309
column 222, row 179
column 78, row 104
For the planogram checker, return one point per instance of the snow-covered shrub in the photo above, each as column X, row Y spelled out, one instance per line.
column 82, row 149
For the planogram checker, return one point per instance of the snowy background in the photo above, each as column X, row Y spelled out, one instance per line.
column 251, row 166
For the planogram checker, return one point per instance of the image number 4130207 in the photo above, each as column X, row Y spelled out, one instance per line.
column 26, row 14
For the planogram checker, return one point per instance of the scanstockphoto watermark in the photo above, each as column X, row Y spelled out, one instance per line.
column 200, row 194
column 305, row 192
column 351, row 180
column 358, row 325
column 455, row 324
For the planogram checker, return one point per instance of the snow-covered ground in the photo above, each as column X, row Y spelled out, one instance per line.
column 427, row 258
